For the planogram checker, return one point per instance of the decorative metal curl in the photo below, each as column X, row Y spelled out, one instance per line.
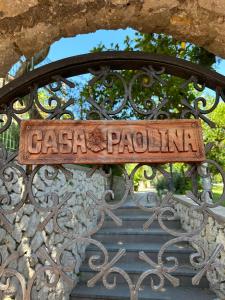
column 56, row 108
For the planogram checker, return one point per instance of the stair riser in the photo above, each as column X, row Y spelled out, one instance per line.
column 185, row 280
column 132, row 238
column 113, row 298
column 149, row 242
column 79, row 297
column 139, row 224
column 121, row 292
column 131, row 212
column 132, row 256
column 93, row 297
column 84, row 298
column 111, row 295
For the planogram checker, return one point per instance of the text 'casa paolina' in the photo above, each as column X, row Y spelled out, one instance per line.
column 110, row 141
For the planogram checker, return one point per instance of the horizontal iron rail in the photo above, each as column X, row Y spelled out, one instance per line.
column 81, row 64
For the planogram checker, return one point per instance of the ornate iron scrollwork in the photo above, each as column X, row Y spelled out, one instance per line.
column 20, row 99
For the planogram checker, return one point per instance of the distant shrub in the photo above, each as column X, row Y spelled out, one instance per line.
column 179, row 184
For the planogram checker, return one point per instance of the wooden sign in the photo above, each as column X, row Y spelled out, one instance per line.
column 110, row 142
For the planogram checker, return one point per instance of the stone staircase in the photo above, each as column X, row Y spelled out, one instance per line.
column 132, row 237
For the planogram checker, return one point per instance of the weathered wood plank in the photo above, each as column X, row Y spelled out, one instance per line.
column 110, row 142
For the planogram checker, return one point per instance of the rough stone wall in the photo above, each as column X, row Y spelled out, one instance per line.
column 79, row 215
column 210, row 237
column 27, row 26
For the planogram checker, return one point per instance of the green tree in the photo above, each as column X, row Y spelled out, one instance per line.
column 172, row 91
column 143, row 94
column 216, row 135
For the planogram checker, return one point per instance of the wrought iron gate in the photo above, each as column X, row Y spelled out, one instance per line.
column 53, row 92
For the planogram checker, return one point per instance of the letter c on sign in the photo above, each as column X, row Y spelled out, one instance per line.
column 34, row 141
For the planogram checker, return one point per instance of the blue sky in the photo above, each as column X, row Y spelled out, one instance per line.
column 83, row 43
column 221, row 67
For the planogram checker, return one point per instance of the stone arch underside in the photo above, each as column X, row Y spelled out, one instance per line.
column 27, row 26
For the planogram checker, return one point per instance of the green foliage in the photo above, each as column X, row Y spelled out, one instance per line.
column 217, row 191
column 139, row 174
column 216, row 135
column 143, row 90
column 165, row 45
column 179, row 185
column 10, row 138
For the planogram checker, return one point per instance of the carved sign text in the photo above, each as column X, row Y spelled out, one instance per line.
column 109, row 142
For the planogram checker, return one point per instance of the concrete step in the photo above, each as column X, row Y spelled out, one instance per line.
column 137, row 221
column 134, row 210
column 181, row 251
column 132, row 235
column 130, row 211
column 121, row 292
column 184, row 273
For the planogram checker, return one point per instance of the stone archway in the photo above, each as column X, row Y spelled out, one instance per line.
column 27, row 26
